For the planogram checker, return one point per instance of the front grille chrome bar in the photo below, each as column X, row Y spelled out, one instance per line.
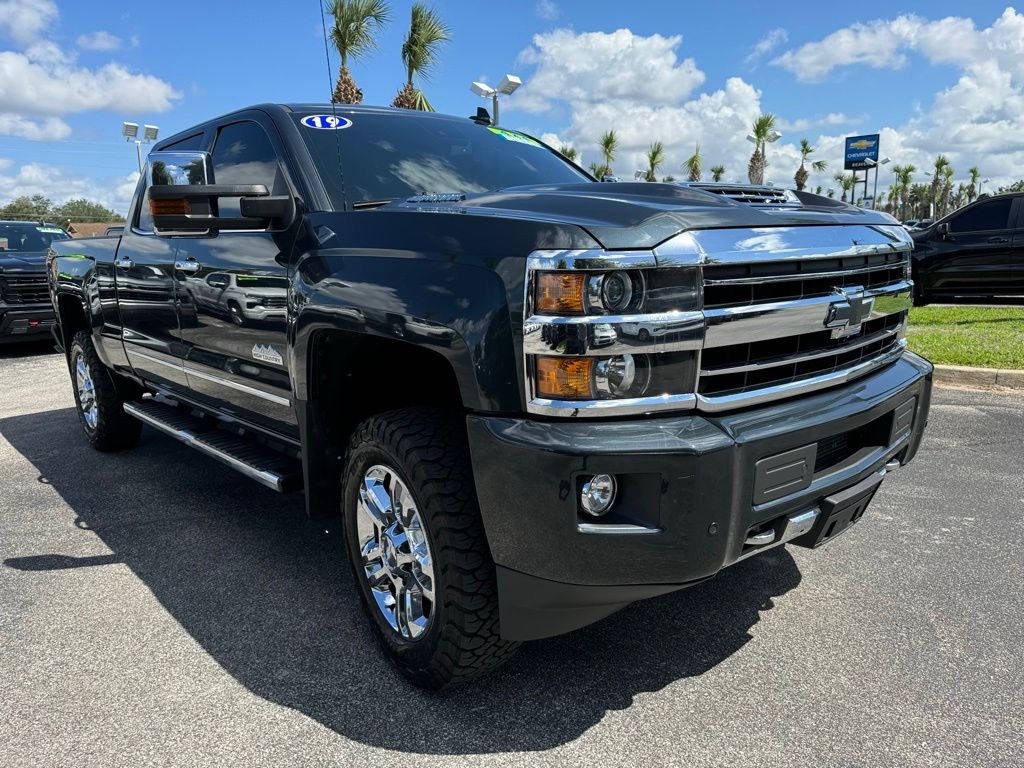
column 719, row 403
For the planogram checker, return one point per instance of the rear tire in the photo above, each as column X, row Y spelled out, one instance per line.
column 100, row 406
column 417, row 548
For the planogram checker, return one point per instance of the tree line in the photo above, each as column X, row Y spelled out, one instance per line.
column 42, row 208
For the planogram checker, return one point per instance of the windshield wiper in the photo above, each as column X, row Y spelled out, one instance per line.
column 371, row 203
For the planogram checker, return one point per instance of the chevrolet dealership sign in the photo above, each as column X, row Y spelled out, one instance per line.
column 859, row 149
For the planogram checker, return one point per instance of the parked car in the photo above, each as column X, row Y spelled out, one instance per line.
column 976, row 251
column 26, row 313
column 243, row 298
column 450, row 376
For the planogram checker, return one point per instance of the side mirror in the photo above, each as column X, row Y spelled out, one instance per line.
column 182, row 202
column 942, row 230
column 610, row 179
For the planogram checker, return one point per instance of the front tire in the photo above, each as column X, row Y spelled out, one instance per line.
column 100, row 406
column 417, row 548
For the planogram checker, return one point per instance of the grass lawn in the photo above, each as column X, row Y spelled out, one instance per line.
column 986, row 337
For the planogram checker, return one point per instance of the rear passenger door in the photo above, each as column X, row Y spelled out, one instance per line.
column 979, row 253
column 236, row 350
column 1017, row 254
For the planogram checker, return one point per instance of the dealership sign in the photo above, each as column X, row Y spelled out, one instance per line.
column 860, row 149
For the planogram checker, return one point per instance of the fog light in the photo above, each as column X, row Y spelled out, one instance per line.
column 598, row 495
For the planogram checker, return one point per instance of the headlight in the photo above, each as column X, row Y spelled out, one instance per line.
column 610, row 334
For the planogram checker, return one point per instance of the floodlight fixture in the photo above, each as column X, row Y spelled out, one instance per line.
column 509, row 84
column 129, row 130
column 150, row 132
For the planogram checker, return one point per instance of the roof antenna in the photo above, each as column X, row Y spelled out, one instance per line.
column 334, row 107
column 482, row 116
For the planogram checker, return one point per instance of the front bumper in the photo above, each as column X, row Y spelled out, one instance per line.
column 693, row 490
column 31, row 323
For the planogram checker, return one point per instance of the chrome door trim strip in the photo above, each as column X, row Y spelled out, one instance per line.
column 131, row 351
column 235, row 385
column 189, row 370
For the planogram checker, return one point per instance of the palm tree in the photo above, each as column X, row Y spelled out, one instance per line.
column 717, row 172
column 941, row 163
column 568, row 151
column 840, row 179
column 972, row 188
column 355, row 23
column 609, row 143
column 801, row 173
column 817, row 190
column 600, row 170
column 904, row 179
column 947, row 189
column 655, row 159
column 419, row 54
column 692, row 165
column 763, row 126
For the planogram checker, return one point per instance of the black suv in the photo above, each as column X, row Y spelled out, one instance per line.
column 26, row 313
column 976, row 251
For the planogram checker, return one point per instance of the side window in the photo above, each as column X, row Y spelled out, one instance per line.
column 143, row 218
column 991, row 215
column 243, row 154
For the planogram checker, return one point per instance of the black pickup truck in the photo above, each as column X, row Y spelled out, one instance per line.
column 531, row 397
column 26, row 313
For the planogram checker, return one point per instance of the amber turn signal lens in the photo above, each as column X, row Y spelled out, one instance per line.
column 179, row 207
column 560, row 292
column 565, row 378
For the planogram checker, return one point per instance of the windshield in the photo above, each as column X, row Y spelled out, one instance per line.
column 395, row 156
column 29, row 237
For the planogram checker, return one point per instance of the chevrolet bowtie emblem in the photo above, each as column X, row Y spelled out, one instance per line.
column 848, row 311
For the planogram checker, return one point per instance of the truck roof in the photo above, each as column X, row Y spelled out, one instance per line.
column 322, row 107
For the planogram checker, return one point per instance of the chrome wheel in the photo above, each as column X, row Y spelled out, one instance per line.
column 86, row 392
column 395, row 553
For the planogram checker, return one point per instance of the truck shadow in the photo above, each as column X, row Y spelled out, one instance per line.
column 268, row 595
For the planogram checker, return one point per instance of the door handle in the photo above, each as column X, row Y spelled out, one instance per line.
column 123, row 263
column 188, row 265
column 998, row 239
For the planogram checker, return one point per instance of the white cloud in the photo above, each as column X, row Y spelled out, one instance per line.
column 48, row 129
column 772, row 40
column 600, row 67
column 24, row 20
column 38, row 88
column 978, row 120
column 40, row 79
column 547, row 10
column 60, row 185
column 99, row 41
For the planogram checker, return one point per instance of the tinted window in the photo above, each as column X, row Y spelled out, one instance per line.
column 395, row 156
column 243, row 154
column 29, row 237
column 144, row 220
column 992, row 215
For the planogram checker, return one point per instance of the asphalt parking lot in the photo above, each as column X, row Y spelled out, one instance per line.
column 156, row 608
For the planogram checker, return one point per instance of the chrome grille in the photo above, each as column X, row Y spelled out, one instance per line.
column 24, row 289
column 792, row 311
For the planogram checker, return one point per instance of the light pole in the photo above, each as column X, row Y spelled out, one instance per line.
column 771, row 138
column 874, row 164
column 981, row 184
column 130, row 131
column 507, row 86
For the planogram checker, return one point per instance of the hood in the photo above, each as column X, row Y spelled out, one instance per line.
column 13, row 262
column 639, row 215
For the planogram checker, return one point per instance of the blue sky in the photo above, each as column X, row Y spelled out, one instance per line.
column 681, row 72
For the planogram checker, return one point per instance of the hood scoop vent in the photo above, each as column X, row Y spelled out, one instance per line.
column 753, row 195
